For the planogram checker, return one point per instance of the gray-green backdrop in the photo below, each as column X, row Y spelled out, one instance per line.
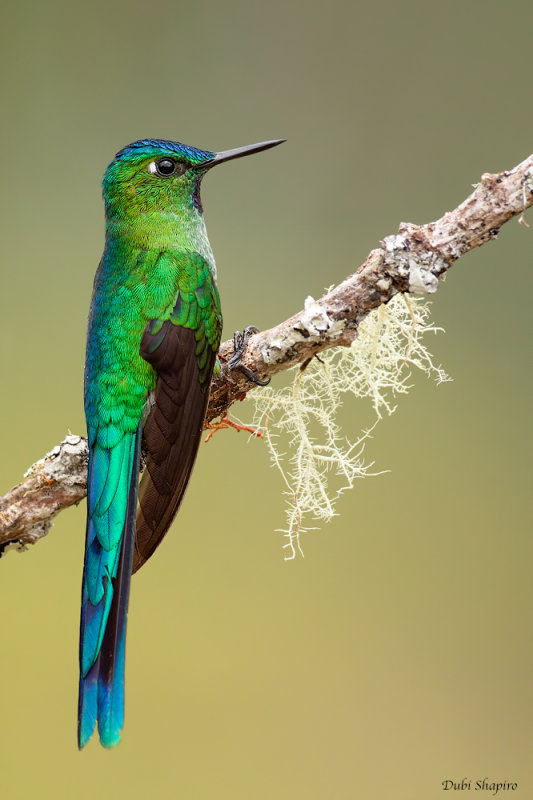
column 397, row 654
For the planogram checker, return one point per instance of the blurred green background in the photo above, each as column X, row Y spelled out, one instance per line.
column 398, row 653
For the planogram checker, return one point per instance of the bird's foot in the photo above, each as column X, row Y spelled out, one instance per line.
column 240, row 341
column 226, row 422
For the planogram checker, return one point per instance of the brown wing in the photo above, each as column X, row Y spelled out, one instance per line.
column 172, row 430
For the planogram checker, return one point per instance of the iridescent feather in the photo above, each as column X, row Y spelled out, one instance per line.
column 154, row 330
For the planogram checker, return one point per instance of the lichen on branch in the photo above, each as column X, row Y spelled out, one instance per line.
column 300, row 422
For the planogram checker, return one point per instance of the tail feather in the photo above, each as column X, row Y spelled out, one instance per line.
column 112, row 654
column 88, row 705
column 106, row 583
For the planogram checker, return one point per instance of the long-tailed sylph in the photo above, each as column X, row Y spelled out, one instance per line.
column 154, row 330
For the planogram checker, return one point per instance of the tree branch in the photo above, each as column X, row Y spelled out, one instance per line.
column 413, row 260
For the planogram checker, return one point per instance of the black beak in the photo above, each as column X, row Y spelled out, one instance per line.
column 238, row 152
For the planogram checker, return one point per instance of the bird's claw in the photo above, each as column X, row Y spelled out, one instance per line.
column 240, row 341
column 224, row 423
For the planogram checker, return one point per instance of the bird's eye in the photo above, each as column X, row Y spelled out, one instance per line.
column 165, row 167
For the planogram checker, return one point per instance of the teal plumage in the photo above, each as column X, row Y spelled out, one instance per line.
column 154, row 330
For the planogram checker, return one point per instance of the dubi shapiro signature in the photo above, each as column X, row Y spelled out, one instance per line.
column 483, row 784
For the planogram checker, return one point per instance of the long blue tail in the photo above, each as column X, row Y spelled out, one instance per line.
column 111, row 508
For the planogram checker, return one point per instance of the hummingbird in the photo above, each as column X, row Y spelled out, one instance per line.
column 154, row 329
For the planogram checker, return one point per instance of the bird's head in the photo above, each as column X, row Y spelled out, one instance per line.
column 154, row 176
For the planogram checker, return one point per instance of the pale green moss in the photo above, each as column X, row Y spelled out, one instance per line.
column 316, row 460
